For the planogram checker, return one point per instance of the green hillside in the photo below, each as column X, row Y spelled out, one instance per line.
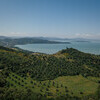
column 68, row 74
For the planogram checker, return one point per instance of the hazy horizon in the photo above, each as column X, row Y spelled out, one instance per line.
column 50, row 37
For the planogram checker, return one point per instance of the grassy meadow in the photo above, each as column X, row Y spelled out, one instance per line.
column 65, row 85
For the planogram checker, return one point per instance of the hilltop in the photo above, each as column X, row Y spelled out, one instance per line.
column 41, row 66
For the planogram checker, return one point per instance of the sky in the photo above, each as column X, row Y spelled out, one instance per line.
column 50, row 18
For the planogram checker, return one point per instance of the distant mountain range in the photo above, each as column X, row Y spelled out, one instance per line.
column 50, row 38
column 12, row 41
column 66, row 39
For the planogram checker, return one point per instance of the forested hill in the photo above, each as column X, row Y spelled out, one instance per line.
column 67, row 75
column 11, row 42
column 42, row 67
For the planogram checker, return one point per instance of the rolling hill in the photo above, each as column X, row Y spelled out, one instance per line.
column 68, row 74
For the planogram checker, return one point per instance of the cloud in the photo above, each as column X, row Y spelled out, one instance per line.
column 88, row 35
column 18, row 34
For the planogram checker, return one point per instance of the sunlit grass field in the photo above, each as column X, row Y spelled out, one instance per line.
column 65, row 85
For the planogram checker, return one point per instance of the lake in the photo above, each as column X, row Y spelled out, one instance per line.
column 88, row 47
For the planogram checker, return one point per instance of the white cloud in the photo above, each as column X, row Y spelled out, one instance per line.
column 18, row 34
column 87, row 35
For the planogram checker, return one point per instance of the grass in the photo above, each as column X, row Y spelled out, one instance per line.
column 77, row 84
column 72, row 85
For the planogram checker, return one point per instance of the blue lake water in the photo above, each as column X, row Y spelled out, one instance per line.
column 88, row 47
